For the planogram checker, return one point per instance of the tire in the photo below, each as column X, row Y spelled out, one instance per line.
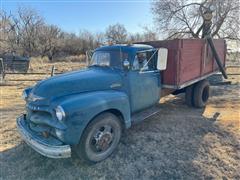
column 201, row 94
column 189, row 95
column 100, row 138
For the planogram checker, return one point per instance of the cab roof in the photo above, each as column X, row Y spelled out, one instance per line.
column 125, row 47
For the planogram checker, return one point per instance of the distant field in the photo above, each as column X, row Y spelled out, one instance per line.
column 62, row 64
column 233, row 58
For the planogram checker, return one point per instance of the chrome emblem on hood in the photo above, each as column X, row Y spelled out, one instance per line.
column 32, row 97
column 115, row 85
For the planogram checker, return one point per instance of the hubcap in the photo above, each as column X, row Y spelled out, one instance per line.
column 102, row 139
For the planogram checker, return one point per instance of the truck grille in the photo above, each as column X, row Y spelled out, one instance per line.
column 39, row 121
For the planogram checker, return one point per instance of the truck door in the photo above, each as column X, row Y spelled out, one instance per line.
column 144, row 81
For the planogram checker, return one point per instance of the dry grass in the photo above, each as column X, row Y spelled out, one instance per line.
column 77, row 58
column 233, row 56
column 177, row 143
column 62, row 65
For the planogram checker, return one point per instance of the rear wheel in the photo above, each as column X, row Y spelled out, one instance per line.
column 189, row 95
column 100, row 138
column 201, row 93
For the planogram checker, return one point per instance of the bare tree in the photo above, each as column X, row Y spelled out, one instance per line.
column 116, row 33
column 99, row 39
column 27, row 24
column 71, row 44
column 26, row 33
column 182, row 18
column 149, row 34
column 137, row 37
column 6, row 33
column 49, row 40
column 87, row 40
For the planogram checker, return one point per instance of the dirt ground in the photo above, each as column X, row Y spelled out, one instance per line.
column 179, row 142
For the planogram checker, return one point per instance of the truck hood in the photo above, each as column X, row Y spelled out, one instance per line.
column 90, row 79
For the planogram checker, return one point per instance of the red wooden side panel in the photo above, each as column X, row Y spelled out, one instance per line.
column 190, row 62
column 197, row 59
column 189, row 59
column 207, row 59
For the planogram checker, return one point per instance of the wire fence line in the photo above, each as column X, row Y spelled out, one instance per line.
column 52, row 73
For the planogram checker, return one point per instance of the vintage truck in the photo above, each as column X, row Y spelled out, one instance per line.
column 86, row 111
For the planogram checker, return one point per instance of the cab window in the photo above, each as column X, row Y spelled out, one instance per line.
column 145, row 61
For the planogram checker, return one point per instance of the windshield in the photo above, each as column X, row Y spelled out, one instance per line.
column 108, row 58
column 100, row 58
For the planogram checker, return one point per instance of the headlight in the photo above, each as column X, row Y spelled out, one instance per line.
column 60, row 114
column 24, row 95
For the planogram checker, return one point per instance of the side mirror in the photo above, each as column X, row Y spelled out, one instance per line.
column 126, row 64
column 162, row 59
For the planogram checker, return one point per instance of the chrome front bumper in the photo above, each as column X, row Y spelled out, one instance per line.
column 46, row 149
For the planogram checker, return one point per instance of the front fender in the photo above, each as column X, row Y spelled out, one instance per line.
column 82, row 108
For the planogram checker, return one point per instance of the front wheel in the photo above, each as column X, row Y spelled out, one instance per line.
column 100, row 138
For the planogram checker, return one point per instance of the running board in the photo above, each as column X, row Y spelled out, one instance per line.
column 144, row 114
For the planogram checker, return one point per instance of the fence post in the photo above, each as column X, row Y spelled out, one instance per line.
column 53, row 70
column 2, row 69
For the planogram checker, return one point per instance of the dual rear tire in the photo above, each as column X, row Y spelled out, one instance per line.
column 198, row 94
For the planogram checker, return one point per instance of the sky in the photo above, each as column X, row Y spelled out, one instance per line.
column 92, row 15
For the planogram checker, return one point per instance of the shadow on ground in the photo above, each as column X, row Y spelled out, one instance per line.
column 177, row 143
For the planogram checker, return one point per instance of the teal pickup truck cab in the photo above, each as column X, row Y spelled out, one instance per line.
column 87, row 110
